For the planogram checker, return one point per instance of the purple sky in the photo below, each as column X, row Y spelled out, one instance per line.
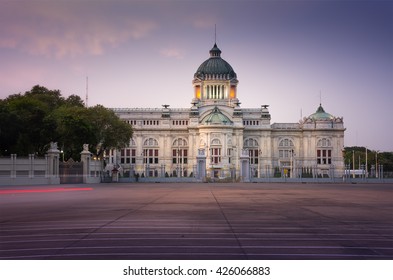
column 145, row 53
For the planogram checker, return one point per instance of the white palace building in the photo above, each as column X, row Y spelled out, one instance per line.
column 217, row 139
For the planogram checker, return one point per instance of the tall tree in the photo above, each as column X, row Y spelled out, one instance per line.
column 110, row 131
column 73, row 129
column 97, row 126
column 34, row 129
column 30, row 121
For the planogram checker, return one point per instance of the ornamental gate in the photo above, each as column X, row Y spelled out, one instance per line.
column 71, row 172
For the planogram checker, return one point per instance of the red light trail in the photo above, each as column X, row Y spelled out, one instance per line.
column 44, row 190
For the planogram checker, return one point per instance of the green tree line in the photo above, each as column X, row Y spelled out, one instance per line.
column 358, row 155
column 30, row 121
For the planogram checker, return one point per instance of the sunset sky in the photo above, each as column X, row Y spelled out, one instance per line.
column 288, row 54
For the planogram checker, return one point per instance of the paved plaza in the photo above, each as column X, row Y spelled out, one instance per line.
column 197, row 221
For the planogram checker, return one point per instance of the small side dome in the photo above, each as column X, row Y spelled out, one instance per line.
column 216, row 118
column 321, row 115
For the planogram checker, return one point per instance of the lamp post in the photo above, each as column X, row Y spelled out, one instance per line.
column 179, row 161
column 353, row 163
column 259, row 163
column 381, row 171
column 182, row 162
column 376, row 165
column 143, row 154
column 292, row 163
column 366, row 172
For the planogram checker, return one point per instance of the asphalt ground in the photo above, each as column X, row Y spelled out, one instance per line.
column 197, row 221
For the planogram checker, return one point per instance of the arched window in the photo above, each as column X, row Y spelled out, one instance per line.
column 132, row 142
column 180, row 151
column 180, row 142
column 253, row 149
column 150, row 151
column 150, row 142
column 285, row 148
column 286, row 143
column 180, row 157
column 324, row 151
column 215, row 151
column 128, row 155
column 323, row 142
column 251, row 142
column 216, row 142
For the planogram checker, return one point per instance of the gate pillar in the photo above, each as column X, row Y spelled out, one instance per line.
column 53, row 164
column 245, row 166
column 201, row 165
column 85, row 159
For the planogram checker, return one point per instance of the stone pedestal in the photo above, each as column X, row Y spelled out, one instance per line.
column 201, row 165
column 53, row 164
column 244, row 166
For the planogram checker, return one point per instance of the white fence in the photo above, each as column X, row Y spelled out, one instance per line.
column 42, row 171
column 29, row 171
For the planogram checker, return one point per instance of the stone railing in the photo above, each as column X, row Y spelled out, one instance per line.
column 31, row 170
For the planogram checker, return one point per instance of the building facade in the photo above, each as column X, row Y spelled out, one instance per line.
column 216, row 138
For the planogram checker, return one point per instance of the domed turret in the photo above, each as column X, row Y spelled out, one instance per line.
column 215, row 67
column 320, row 114
column 322, row 120
column 215, row 81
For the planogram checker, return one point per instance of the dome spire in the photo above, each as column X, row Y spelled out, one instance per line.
column 215, row 51
column 215, row 34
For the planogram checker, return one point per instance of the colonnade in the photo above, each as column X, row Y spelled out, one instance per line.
column 216, row 92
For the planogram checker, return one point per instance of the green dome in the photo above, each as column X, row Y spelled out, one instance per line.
column 320, row 114
column 214, row 66
column 216, row 117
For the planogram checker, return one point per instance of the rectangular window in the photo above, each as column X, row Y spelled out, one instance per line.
column 175, row 156
column 150, row 156
column 253, row 156
column 229, row 153
column 127, row 156
column 179, row 156
column 133, row 156
column 215, row 155
column 324, row 156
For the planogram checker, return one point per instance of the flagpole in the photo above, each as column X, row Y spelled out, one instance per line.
column 353, row 163
column 366, row 165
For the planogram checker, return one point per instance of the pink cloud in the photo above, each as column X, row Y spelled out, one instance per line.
column 203, row 23
column 63, row 31
column 172, row 53
column 24, row 77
